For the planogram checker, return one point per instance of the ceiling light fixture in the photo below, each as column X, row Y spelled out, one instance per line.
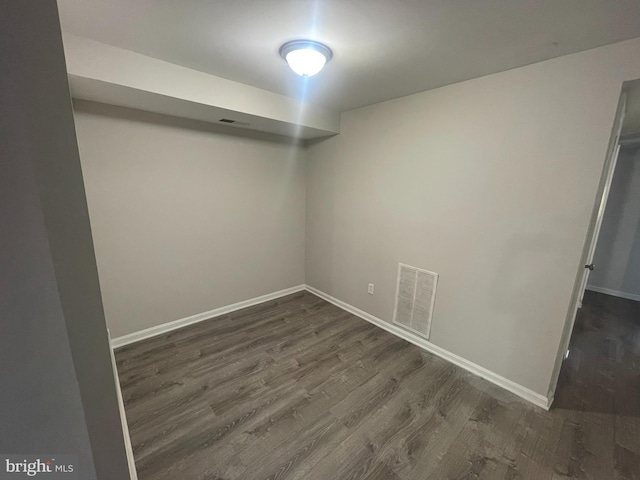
column 305, row 57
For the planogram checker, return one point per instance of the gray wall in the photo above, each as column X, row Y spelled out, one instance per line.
column 617, row 255
column 188, row 216
column 58, row 392
column 489, row 182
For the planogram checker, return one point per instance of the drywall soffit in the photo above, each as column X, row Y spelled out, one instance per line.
column 102, row 73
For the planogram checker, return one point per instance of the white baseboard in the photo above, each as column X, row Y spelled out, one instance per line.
column 517, row 389
column 523, row 392
column 199, row 317
column 615, row 293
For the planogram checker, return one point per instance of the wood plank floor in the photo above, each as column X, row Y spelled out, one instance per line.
column 297, row 388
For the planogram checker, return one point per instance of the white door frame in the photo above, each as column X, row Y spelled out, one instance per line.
column 133, row 473
column 593, row 241
column 590, row 241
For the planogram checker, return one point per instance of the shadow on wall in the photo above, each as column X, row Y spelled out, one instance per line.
column 517, row 290
column 320, row 217
column 119, row 113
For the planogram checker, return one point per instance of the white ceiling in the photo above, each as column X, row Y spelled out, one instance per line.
column 383, row 49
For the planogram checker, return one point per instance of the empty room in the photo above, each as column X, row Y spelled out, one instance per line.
column 319, row 239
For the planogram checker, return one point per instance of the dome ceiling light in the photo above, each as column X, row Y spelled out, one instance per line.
column 305, row 57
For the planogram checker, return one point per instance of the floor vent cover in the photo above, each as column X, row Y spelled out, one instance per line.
column 415, row 297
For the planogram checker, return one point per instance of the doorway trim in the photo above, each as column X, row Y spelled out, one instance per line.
column 590, row 240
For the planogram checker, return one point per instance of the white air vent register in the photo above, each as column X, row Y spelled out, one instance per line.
column 415, row 298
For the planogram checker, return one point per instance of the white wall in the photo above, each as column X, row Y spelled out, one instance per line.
column 617, row 256
column 187, row 216
column 58, row 392
column 489, row 182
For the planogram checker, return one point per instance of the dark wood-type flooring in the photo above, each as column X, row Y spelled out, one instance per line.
column 298, row 388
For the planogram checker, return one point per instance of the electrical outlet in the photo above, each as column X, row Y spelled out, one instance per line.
column 370, row 289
